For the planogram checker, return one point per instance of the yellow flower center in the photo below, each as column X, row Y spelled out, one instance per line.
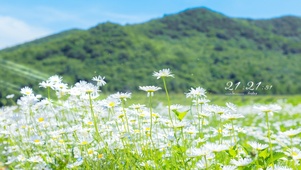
column 84, row 143
column 111, row 104
column 220, row 113
column 155, row 115
column 36, row 141
column 99, row 156
column 90, row 151
column 294, row 153
column 89, row 91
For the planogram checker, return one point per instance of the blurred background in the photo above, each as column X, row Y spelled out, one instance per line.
column 231, row 47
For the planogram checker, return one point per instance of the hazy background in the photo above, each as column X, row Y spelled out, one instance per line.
column 22, row 21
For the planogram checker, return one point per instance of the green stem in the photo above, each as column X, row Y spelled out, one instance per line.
column 200, row 122
column 168, row 100
column 257, row 157
column 13, row 102
column 48, row 92
column 198, row 113
column 269, row 136
column 126, row 118
column 151, row 123
column 151, row 116
column 220, row 131
column 216, row 158
column 206, row 162
column 93, row 116
column 233, row 132
column 181, row 151
column 169, row 112
column 139, row 126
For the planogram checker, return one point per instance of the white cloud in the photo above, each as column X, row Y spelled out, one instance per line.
column 14, row 31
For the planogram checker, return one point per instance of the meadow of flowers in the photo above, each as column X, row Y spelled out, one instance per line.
column 79, row 129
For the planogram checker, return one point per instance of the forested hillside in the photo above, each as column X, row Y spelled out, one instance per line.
column 201, row 47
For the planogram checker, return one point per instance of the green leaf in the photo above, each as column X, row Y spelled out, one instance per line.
column 180, row 115
column 264, row 154
column 276, row 156
column 232, row 152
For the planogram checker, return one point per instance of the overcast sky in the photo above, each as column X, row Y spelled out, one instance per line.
column 25, row 20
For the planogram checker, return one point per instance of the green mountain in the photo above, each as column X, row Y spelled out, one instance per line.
column 201, row 47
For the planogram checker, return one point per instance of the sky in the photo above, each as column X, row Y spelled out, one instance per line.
column 26, row 20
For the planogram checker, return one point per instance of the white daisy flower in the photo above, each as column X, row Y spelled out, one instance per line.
column 216, row 147
column 241, row 161
column 99, row 80
column 196, row 93
column 229, row 167
column 27, row 91
column 257, row 146
column 163, row 73
column 149, row 89
column 121, row 96
column 291, row 133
